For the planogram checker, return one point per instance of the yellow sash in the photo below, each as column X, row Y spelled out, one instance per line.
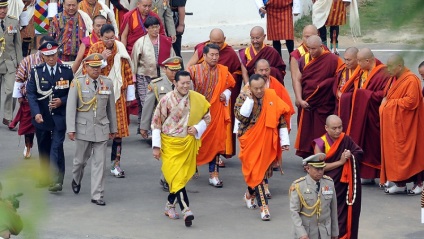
column 198, row 107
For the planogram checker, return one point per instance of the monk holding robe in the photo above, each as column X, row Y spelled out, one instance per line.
column 263, row 135
column 342, row 160
column 402, row 131
column 258, row 50
column 314, row 95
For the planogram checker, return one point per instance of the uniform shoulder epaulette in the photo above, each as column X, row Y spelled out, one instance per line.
column 156, row 80
column 299, row 180
column 327, row 177
column 65, row 66
column 39, row 65
column 12, row 17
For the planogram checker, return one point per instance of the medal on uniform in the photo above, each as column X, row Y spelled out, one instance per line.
column 104, row 90
column 162, row 88
column 327, row 190
column 11, row 30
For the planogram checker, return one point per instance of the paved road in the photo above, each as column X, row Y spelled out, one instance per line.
column 135, row 204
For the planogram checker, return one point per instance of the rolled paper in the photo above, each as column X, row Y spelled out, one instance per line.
column 52, row 10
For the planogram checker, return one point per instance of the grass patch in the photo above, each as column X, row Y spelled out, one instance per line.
column 394, row 15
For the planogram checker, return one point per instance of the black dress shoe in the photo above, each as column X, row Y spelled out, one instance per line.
column 75, row 187
column 99, row 202
column 55, row 187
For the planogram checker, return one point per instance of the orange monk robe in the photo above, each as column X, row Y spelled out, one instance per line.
column 215, row 136
column 127, row 79
column 402, row 131
column 259, row 145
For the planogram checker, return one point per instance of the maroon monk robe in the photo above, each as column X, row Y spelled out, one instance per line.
column 338, row 175
column 317, row 89
column 229, row 58
column 278, row 67
column 136, row 27
column 363, row 119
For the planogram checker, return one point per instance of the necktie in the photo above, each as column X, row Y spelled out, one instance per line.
column 95, row 84
column 52, row 72
column 2, row 25
column 318, row 185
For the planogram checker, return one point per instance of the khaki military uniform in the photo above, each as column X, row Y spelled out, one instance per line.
column 156, row 90
column 11, row 56
column 92, row 122
column 314, row 213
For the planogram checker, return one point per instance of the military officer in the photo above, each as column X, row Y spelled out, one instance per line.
column 91, row 121
column 47, row 93
column 10, row 57
column 313, row 202
column 155, row 91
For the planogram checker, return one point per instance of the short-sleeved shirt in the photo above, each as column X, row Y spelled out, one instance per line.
column 178, row 3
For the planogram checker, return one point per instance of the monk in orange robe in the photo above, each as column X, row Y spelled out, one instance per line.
column 229, row 58
column 214, row 81
column 118, row 69
column 402, row 131
column 263, row 135
column 314, row 95
column 359, row 105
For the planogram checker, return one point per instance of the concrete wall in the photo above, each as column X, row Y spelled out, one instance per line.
column 234, row 17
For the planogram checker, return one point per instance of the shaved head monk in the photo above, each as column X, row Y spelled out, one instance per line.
column 342, row 165
column 259, row 50
column 359, row 101
column 402, row 131
column 314, row 93
column 229, row 58
column 295, row 56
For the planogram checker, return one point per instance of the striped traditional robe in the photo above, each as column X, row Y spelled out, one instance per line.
column 279, row 20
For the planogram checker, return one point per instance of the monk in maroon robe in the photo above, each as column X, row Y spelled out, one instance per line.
column 315, row 99
column 132, row 27
column 229, row 58
column 343, row 157
column 359, row 106
column 258, row 50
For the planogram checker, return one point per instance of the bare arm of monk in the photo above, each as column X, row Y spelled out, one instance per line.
column 124, row 35
column 244, row 74
column 297, row 86
column 193, row 60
